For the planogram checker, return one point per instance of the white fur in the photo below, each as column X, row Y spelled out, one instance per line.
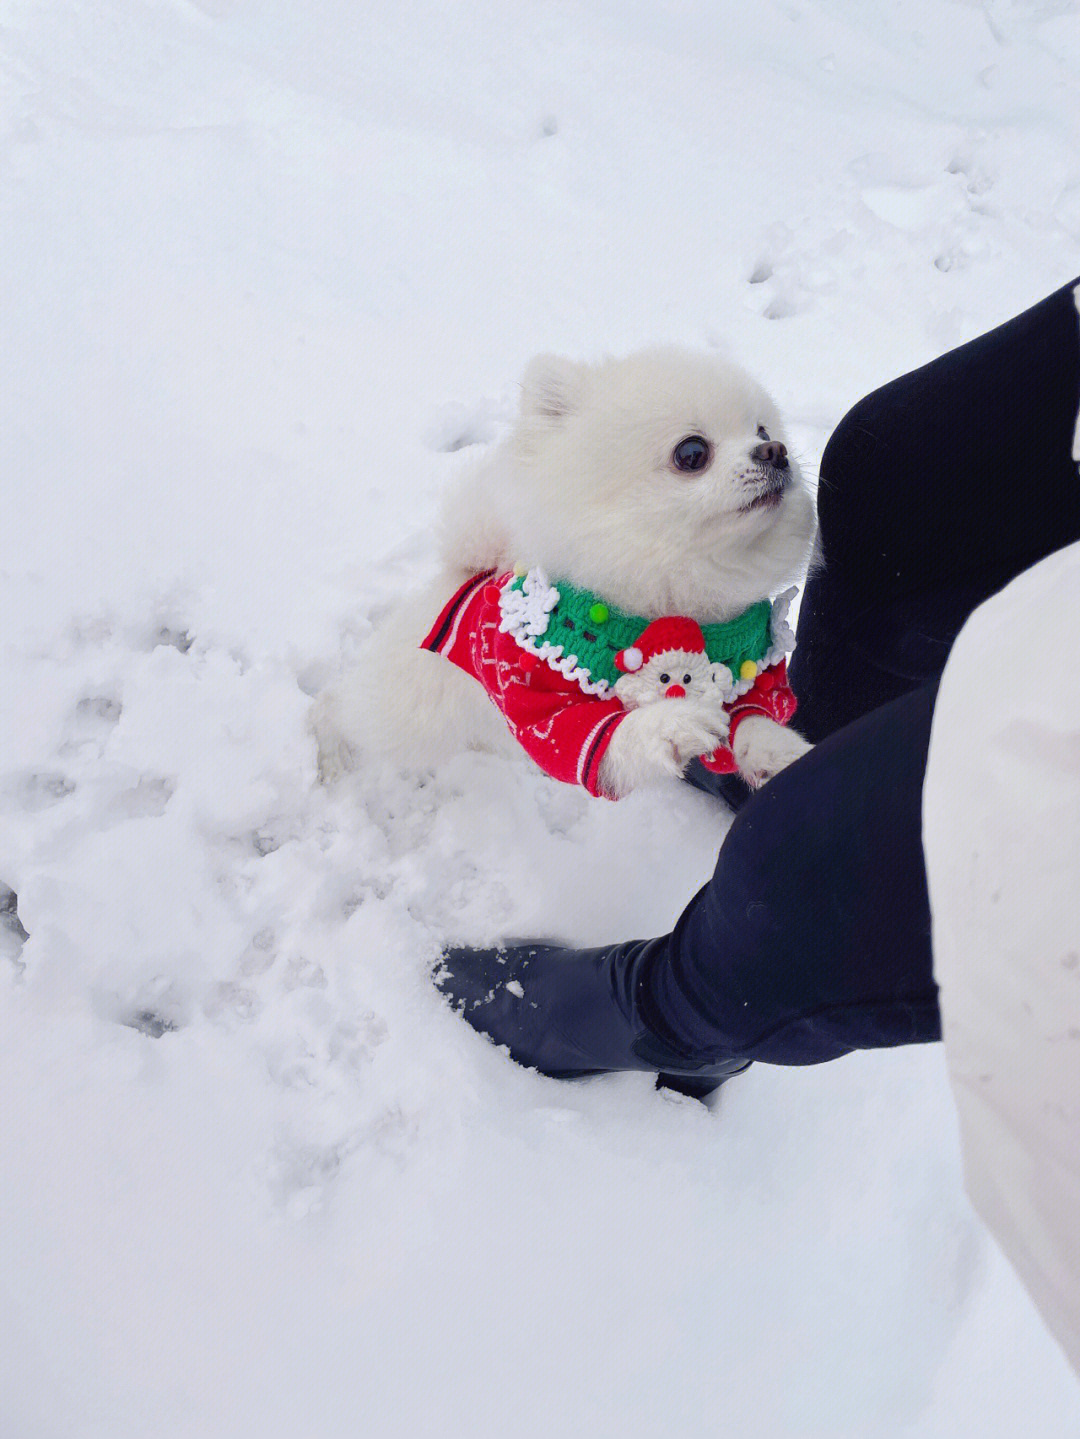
column 659, row 739
column 763, row 748
column 585, row 488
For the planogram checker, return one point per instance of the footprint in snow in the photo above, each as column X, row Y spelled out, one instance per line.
column 146, row 799
column 98, row 711
column 37, row 789
column 175, row 637
column 977, row 181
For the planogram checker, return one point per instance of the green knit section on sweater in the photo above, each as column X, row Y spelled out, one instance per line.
column 573, row 623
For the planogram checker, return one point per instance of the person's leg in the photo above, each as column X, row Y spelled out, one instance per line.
column 936, row 490
column 813, row 936
column 811, row 939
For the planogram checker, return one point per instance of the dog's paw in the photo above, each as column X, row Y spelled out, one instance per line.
column 762, row 748
column 335, row 756
column 657, row 740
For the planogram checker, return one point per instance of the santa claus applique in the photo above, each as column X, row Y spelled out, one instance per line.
column 669, row 661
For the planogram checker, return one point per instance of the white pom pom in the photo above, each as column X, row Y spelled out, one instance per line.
column 632, row 658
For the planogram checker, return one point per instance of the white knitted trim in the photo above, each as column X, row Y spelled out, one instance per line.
column 781, row 633
column 526, row 613
column 783, row 641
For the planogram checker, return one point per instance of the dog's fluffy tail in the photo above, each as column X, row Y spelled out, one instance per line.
column 402, row 705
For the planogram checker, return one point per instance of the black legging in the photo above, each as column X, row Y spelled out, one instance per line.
column 813, row 937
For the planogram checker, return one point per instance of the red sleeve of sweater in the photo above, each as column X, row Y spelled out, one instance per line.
column 565, row 730
column 771, row 696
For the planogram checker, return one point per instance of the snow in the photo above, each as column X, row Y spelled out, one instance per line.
column 270, row 270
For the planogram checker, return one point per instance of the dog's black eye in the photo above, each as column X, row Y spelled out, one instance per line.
column 691, row 454
column 763, row 433
column 664, row 679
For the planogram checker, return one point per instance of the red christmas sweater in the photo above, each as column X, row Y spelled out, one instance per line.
column 565, row 730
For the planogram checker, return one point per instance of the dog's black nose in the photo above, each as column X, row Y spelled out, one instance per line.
column 771, row 453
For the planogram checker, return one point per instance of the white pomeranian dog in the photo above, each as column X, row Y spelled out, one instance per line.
column 629, row 491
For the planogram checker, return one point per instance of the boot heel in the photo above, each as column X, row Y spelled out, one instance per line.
column 696, row 1086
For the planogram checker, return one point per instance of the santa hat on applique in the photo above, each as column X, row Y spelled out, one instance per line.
column 673, row 632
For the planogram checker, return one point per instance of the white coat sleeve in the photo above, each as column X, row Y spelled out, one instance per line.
column 1001, row 833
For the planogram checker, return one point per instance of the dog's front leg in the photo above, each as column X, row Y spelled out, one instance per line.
column 659, row 740
column 762, row 748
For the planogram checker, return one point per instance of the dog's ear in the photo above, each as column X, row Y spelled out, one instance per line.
column 551, row 387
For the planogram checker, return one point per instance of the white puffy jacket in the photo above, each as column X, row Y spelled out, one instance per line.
column 1001, row 830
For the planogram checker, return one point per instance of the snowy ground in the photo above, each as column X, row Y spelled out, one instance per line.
column 268, row 268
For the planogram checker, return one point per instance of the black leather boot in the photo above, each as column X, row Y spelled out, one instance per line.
column 573, row 1012
column 731, row 788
